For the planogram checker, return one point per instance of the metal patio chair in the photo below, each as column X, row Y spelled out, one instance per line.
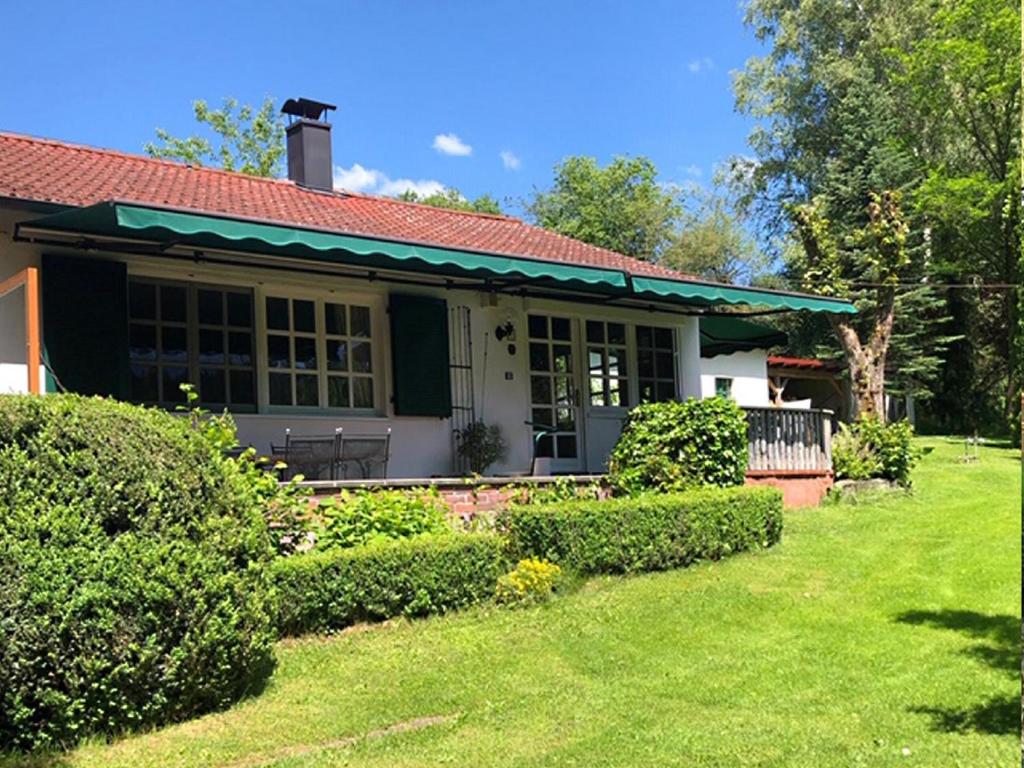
column 311, row 456
column 366, row 452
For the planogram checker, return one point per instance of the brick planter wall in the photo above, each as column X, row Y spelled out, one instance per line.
column 800, row 488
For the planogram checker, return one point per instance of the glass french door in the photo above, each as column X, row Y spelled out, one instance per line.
column 554, row 392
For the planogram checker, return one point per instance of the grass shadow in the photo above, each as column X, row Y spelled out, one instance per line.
column 999, row 648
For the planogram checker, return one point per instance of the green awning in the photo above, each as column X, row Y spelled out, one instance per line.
column 723, row 335
column 200, row 230
column 173, row 228
column 711, row 294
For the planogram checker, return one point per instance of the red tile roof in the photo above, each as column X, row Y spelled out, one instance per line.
column 71, row 174
column 805, row 363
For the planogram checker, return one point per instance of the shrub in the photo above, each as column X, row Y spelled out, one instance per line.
column 333, row 589
column 532, row 581
column 672, row 446
column 481, row 445
column 646, row 532
column 564, row 488
column 133, row 587
column 868, row 448
column 367, row 517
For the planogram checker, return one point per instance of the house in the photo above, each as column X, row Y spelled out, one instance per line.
column 734, row 359
column 299, row 307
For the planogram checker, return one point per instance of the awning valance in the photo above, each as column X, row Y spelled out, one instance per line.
column 723, row 335
column 173, row 228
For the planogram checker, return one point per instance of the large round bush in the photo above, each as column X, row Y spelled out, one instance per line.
column 671, row 446
column 133, row 587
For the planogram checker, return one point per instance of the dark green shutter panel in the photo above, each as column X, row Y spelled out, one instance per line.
column 85, row 325
column 419, row 353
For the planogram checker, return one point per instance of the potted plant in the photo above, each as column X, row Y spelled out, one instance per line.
column 481, row 445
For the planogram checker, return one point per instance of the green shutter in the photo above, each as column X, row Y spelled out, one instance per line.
column 419, row 354
column 85, row 325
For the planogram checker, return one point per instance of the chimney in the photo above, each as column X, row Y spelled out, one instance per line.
column 309, row 143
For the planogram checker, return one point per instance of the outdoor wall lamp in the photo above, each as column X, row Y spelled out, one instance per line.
column 505, row 331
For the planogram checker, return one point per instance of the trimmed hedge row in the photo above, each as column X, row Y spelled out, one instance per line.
column 647, row 532
column 429, row 574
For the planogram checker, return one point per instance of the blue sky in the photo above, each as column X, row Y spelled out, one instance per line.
column 510, row 88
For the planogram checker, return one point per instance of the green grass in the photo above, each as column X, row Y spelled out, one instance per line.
column 872, row 628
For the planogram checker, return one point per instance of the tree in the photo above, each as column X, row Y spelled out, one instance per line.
column 711, row 242
column 621, row 206
column 834, row 168
column 250, row 141
column 451, row 198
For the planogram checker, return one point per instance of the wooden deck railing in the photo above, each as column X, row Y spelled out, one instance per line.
column 789, row 439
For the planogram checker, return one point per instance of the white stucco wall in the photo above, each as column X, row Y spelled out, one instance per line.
column 748, row 371
column 421, row 447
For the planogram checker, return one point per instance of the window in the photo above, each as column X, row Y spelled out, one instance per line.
column 326, row 363
column 606, row 361
column 723, row 387
column 655, row 362
column 181, row 333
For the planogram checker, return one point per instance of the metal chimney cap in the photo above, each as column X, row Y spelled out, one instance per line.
column 307, row 108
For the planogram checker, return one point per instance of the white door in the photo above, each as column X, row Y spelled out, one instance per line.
column 555, row 393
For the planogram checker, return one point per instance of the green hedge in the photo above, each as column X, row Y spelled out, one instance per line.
column 133, row 586
column 646, row 532
column 412, row 577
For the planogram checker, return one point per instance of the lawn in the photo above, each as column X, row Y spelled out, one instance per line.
column 885, row 633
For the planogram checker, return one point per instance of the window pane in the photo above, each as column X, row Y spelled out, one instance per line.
column 595, row 332
column 361, row 357
column 538, row 326
column 563, row 393
column 280, row 389
column 644, row 336
column 645, row 363
column 595, row 362
column 211, row 348
column 616, row 333
column 597, row 390
column 664, row 364
column 173, row 378
column 545, row 447
column 174, row 344
column 279, row 352
column 211, row 307
column 334, row 319
column 663, row 337
column 142, row 342
column 240, row 310
column 337, row 392
column 242, row 390
column 560, row 328
column 566, row 446
column 562, row 355
column 144, row 388
column 565, row 419
column 172, row 303
column 646, row 391
column 277, row 314
column 540, row 389
column 337, row 355
column 360, row 321
column 616, row 362
column 240, row 348
column 306, row 390
column 666, row 390
column 305, row 317
column 305, row 353
column 539, row 357
column 142, row 301
column 543, row 418
column 362, row 392
column 212, row 385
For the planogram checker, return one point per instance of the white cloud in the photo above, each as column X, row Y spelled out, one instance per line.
column 371, row 181
column 694, row 170
column 701, row 65
column 450, row 144
column 510, row 160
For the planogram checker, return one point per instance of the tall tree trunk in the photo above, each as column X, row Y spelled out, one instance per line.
column 866, row 362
